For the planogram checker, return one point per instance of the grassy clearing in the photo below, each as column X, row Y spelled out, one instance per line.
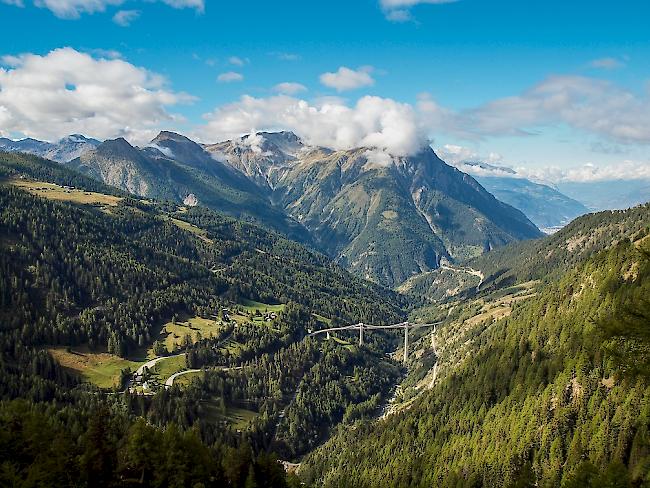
column 101, row 369
column 240, row 418
column 250, row 309
column 173, row 333
column 323, row 320
column 56, row 192
column 197, row 231
column 187, row 379
column 167, row 367
column 252, row 306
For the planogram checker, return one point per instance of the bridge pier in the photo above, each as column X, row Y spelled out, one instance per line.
column 406, row 343
column 328, row 335
column 361, row 334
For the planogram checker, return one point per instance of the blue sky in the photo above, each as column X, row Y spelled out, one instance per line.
column 580, row 72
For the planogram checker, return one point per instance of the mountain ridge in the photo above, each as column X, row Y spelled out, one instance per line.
column 362, row 204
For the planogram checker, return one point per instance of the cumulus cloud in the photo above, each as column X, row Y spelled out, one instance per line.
column 74, row 9
column 66, row 92
column 373, row 122
column 254, row 142
column 229, row 77
column 106, row 53
column 592, row 105
column 125, row 17
column 399, row 10
column 348, row 79
column 377, row 158
column 289, row 88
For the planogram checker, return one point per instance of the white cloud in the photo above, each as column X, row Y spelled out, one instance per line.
column 399, row 10
column 198, row 5
column 289, row 88
column 454, row 154
column 237, row 61
column 66, row 92
column 372, row 122
column 592, row 105
column 165, row 150
column 74, row 9
column 624, row 170
column 348, row 79
column 607, row 63
column 377, row 158
column 125, row 17
column 253, row 141
column 229, row 77
column 491, row 165
column 106, row 53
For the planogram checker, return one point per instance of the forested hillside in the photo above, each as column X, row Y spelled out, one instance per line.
column 92, row 274
column 531, row 260
column 551, row 390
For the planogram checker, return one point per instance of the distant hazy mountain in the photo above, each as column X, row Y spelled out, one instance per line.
column 608, row 195
column 386, row 218
column 542, row 204
column 62, row 151
column 173, row 167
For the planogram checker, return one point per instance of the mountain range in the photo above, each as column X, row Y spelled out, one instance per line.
column 61, row 151
column 385, row 218
column 544, row 205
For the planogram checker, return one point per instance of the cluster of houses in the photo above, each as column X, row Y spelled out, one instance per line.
column 142, row 383
column 266, row 316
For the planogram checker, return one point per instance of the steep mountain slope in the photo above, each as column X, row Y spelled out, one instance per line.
column 175, row 168
column 532, row 260
column 62, row 151
column 385, row 218
column 546, row 207
column 527, row 394
column 227, row 254
column 260, row 155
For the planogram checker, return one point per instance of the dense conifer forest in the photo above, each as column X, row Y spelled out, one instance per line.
column 105, row 278
column 555, row 394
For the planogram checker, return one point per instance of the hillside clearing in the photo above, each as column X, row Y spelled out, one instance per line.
column 99, row 368
column 52, row 191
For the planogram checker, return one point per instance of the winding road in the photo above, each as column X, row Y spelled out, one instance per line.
column 150, row 364
column 172, row 378
column 470, row 271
